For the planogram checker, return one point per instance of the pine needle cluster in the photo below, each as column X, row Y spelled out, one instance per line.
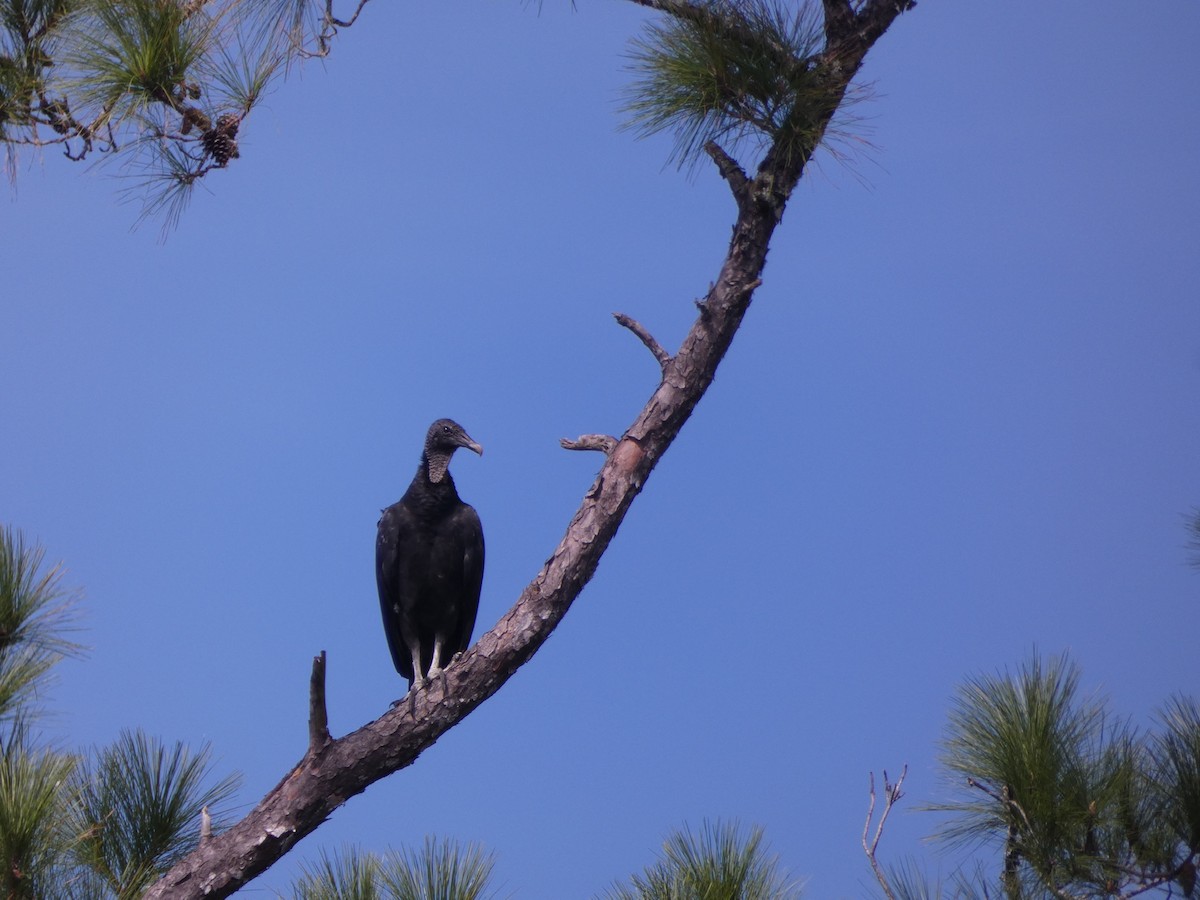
column 36, row 615
column 80, row 826
column 154, row 83
column 1078, row 803
column 136, row 807
column 721, row 862
column 739, row 72
column 440, row 870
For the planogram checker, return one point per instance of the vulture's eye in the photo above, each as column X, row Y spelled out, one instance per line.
column 445, row 429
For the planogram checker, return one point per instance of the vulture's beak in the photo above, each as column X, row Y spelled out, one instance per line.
column 471, row 445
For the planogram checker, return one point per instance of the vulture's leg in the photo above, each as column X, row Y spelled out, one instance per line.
column 414, row 650
column 435, row 666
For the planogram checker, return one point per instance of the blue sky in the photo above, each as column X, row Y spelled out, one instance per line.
column 961, row 420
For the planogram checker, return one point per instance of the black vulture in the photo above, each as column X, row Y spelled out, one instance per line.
column 429, row 562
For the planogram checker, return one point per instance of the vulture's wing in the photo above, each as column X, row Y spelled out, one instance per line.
column 395, row 523
column 470, row 536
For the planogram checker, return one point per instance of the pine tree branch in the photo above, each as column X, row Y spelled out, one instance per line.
column 892, row 794
column 733, row 174
column 346, row 766
column 839, row 20
column 329, row 28
column 663, row 357
column 318, row 715
column 876, row 17
column 601, row 442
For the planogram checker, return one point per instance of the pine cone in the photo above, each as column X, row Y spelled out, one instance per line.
column 229, row 123
column 220, row 145
column 194, row 117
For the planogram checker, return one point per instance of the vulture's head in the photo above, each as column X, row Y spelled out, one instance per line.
column 445, row 436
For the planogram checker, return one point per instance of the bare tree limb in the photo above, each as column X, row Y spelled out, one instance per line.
column 329, row 28
column 321, row 782
column 730, row 171
column 1004, row 797
column 891, row 795
column 602, row 442
column 343, row 23
column 1149, row 881
column 318, row 715
column 663, row 357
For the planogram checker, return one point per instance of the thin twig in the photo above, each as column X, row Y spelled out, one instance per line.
column 602, row 442
column 892, row 795
column 329, row 27
column 343, row 23
column 663, row 357
column 1005, row 798
column 205, row 826
column 1154, row 881
column 980, row 786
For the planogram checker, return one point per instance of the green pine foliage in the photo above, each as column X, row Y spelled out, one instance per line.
column 721, row 862
column 1075, row 802
column 351, row 874
column 1193, row 527
column 440, row 870
column 95, row 826
column 36, row 615
column 136, row 807
column 1176, row 770
column 32, row 794
column 130, row 54
column 744, row 74
column 141, row 81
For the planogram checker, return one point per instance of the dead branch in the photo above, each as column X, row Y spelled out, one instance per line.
column 663, row 357
column 602, row 442
column 318, row 715
column 730, row 171
column 1004, row 797
column 329, row 28
column 892, row 795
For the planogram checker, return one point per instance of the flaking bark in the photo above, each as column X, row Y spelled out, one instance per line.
column 330, row 774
